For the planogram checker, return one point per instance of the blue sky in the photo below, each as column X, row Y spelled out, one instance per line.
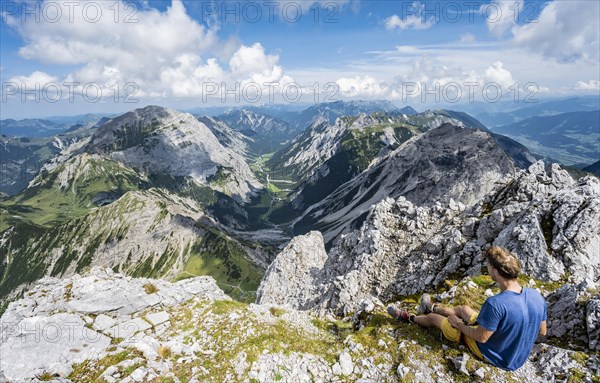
column 186, row 54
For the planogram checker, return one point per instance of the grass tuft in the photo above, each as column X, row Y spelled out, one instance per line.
column 149, row 288
column 164, row 352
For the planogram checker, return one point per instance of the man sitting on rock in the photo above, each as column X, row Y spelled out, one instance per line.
column 504, row 332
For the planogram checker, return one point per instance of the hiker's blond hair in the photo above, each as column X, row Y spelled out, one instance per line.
column 508, row 265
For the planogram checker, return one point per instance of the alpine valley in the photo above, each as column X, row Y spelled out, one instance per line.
column 261, row 244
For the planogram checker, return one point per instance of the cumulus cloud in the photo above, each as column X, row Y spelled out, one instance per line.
column 33, row 87
column 362, row 86
column 429, row 79
column 501, row 15
column 496, row 73
column 455, row 82
column 35, row 80
column 589, row 85
column 566, row 31
column 164, row 53
column 414, row 20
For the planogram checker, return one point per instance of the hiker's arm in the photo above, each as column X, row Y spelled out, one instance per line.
column 479, row 333
column 543, row 328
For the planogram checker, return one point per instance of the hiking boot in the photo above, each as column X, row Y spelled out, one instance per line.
column 425, row 305
column 398, row 314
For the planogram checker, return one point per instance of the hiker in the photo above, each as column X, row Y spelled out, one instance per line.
column 504, row 331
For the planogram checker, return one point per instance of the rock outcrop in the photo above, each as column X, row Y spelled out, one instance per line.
column 106, row 327
column 574, row 314
column 448, row 162
column 64, row 322
column 541, row 214
column 298, row 262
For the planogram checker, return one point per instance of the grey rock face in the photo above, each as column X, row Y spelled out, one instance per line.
column 157, row 140
column 547, row 219
column 436, row 166
column 593, row 322
column 574, row 314
column 54, row 326
column 290, row 279
column 547, row 362
column 541, row 214
column 567, row 313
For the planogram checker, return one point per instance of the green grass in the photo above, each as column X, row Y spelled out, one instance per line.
column 276, row 311
column 90, row 371
column 46, row 377
column 273, row 188
column 278, row 337
column 226, row 261
column 48, row 203
column 150, row 288
column 365, row 143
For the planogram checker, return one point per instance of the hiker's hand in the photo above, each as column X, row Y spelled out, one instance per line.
column 454, row 320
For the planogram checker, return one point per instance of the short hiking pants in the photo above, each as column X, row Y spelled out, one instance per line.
column 454, row 335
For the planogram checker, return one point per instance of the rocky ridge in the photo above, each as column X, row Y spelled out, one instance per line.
column 322, row 138
column 103, row 326
column 541, row 214
column 156, row 140
column 151, row 233
column 246, row 120
column 448, row 162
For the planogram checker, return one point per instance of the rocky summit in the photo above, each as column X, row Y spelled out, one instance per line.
column 541, row 213
column 319, row 315
column 106, row 327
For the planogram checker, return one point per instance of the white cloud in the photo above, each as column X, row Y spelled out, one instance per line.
column 37, row 86
column 501, row 15
column 455, row 61
column 431, row 79
column 467, row 38
column 566, row 31
column 415, row 20
column 252, row 59
column 589, row 85
column 164, row 53
column 362, row 86
column 498, row 74
column 36, row 80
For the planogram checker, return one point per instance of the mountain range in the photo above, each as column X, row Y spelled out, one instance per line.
column 51, row 126
column 214, row 173
column 536, row 109
column 569, row 138
column 318, row 215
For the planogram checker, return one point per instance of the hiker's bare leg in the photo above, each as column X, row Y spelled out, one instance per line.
column 429, row 320
column 463, row 312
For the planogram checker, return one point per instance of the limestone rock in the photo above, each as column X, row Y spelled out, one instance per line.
column 541, row 214
column 571, row 318
column 291, row 278
column 346, row 364
column 51, row 329
column 461, row 364
column 593, row 322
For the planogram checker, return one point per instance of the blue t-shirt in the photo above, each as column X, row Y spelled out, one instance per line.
column 515, row 319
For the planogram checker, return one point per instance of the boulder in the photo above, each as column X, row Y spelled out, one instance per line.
column 293, row 277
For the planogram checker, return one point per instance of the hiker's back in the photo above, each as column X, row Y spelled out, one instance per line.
column 515, row 319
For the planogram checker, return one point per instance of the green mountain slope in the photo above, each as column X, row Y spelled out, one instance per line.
column 70, row 190
column 149, row 233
